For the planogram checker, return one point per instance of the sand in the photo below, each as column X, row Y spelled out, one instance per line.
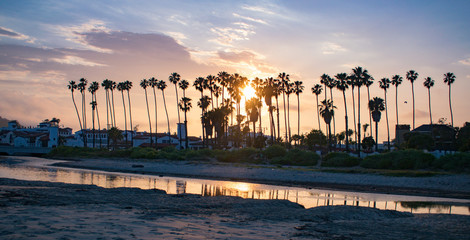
column 43, row 210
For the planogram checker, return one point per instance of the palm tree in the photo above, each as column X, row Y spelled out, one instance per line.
column 175, row 78
column 277, row 90
column 368, row 81
column 412, row 76
column 122, row 87
column 223, row 78
column 342, row 85
column 204, row 103
column 144, row 84
column 199, row 85
column 284, row 87
column 331, row 83
column 105, row 84
column 112, row 86
column 289, row 90
column 324, row 79
column 317, row 91
column 209, row 84
column 72, row 86
column 385, row 84
column 327, row 112
column 185, row 105
column 128, row 88
column 252, row 111
column 184, row 85
column 81, row 86
column 162, row 85
column 351, row 83
column 396, row 81
column 92, row 89
column 376, row 105
column 268, row 92
column 153, row 83
column 359, row 74
column 428, row 83
column 449, row 78
column 258, row 86
column 298, row 89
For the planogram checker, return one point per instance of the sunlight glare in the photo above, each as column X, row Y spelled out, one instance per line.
column 249, row 92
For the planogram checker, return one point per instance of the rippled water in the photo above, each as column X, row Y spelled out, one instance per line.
column 38, row 169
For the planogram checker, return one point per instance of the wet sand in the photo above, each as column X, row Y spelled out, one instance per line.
column 42, row 210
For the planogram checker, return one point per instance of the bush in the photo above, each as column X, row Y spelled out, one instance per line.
column 420, row 141
column 148, row 153
column 297, row 157
column 274, row 151
column 249, row 155
column 459, row 162
column 339, row 159
column 404, row 159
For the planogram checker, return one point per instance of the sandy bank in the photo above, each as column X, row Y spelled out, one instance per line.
column 456, row 185
column 43, row 210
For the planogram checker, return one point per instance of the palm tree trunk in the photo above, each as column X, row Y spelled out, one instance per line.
column 386, row 116
column 298, row 115
column 413, row 94
column 98, row 118
column 429, row 98
column 334, row 118
column 178, row 111
column 376, row 136
column 202, row 121
column 167, row 118
column 396, row 106
column 185, row 124
column 93, row 122
column 370, row 113
column 354, row 117
column 156, row 119
column 148, row 114
column 114, row 115
column 130, row 118
column 107, row 116
column 450, row 105
column 260, row 120
column 125, row 117
column 288, row 118
column 318, row 115
column 278, row 122
column 78, row 115
column 359, row 121
column 346, row 120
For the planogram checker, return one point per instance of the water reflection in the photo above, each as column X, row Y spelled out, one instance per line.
column 173, row 185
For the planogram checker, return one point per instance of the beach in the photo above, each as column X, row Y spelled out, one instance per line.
column 44, row 210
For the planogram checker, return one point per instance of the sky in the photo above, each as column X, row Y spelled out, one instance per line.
column 46, row 44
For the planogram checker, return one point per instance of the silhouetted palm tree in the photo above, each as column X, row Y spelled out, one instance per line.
column 376, row 105
column 412, row 76
column 93, row 107
column 449, row 78
column 106, row 84
column 251, row 108
column 81, row 86
column 144, row 84
column 153, row 83
column 112, row 86
column 199, row 85
column 359, row 74
column 298, row 89
column 175, row 78
column 317, row 91
column 396, row 81
column 258, row 86
column 342, row 85
column 185, row 105
column 385, row 84
column 72, row 86
column 331, row 83
column 184, row 85
column 368, row 81
column 122, row 87
column 92, row 89
column 268, row 92
column 162, row 85
column 277, row 90
column 204, row 103
column 209, row 84
column 289, row 90
column 284, row 85
column 428, row 83
column 351, row 82
column 128, row 88
column 327, row 112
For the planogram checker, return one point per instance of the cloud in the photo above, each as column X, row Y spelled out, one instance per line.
column 465, row 62
column 74, row 60
column 6, row 32
column 225, row 36
column 178, row 36
column 78, row 34
column 332, row 48
column 258, row 9
column 250, row 19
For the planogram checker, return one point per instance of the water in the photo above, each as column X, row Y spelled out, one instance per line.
column 37, row 169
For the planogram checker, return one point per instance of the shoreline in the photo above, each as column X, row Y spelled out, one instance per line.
column 447, row 186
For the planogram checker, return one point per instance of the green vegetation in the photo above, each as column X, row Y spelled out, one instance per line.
column 339, row 159
column 404, row 159
column 297, row 157
column 459, row 162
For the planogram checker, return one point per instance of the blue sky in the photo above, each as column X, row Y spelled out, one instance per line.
column 45, row 44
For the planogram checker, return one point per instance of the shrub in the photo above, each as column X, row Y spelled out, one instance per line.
column 274, row 151
column 459, row 162
column 297, row 157
column 242, row 155
column 404, row 159
column 339, row 159
column 149, row 153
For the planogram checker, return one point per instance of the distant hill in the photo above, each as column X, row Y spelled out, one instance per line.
column 4, row 122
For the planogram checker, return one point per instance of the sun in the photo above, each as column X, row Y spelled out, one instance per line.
column 249, row 92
